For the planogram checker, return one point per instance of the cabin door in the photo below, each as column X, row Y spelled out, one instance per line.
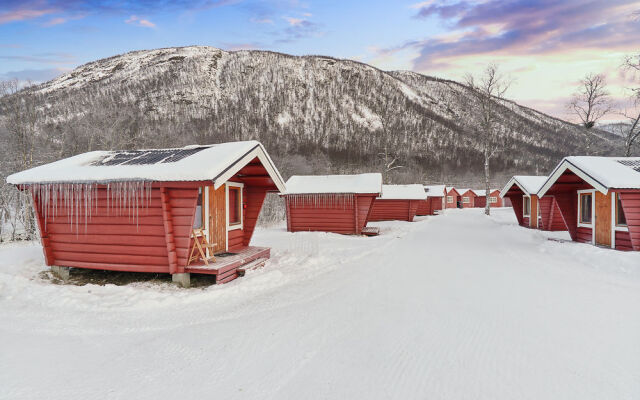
column 218, row 218
column 603, row 219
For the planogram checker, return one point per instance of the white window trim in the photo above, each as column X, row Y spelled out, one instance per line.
column 614, row 226
column 523, row 208
column 592, row 192
column 493, row 199
column 226, row 189
column 449, row 199
column 466, row 199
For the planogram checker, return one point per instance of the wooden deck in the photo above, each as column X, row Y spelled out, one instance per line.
column 229, row 268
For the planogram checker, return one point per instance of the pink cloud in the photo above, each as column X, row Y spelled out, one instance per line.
column 23, row 14
column 137, row 21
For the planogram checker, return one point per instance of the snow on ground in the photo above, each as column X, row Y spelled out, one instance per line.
column 456, row 306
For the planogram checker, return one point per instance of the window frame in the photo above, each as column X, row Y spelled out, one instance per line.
column 493, row 199
column 449, row 199
column 526, row 204
column 240, row 201
column 466, row 200
column 617, row 225
column 201, row 196
column 581, row 193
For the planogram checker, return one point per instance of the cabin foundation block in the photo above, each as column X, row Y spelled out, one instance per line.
column 182, row 280
column 60, row 272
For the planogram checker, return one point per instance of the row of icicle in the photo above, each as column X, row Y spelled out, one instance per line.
column 322, row 200
column 80, row 200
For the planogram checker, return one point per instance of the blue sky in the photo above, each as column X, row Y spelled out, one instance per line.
column 544, row 45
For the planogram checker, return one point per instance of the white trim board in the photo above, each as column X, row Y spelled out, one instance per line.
column 567, row 166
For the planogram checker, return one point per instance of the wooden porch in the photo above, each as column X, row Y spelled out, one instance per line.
column 230, row 267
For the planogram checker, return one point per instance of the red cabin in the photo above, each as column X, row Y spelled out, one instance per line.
column 331, row 203
column 467, row 198
column 494, row 198
column 435, row 200
column 453, row 198
column 599, row 199
column 143, row 210
column 398, row 202
column 531, row 211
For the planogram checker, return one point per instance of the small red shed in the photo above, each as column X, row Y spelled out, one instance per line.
column 398, row 202
column 467, row 198
column 138, row 210
column 494, row 198
column 452, row 199
column 599, row 199
column 331, row 203
column 531, row 211
column 435, row 200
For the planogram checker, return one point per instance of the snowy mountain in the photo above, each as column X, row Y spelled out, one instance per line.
column 314, row 114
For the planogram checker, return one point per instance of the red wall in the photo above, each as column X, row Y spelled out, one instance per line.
column 453, row 193
column 551, row 217
column 472, row 198
column 305, row 216
column 436, row 204
column 389, row 210
column 516, row 202
column 631, row 206
column 480, row 202
column 112, row 239
column 424, row 207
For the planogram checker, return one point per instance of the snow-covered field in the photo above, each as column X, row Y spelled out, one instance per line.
column 458, row 306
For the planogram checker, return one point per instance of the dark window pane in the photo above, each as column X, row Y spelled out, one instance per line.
column 621, row 219
column 234, row 205
column 585, row 208
column 197, row 221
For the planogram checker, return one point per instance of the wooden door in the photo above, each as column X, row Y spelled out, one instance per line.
column 603, row 219
column 218, row 218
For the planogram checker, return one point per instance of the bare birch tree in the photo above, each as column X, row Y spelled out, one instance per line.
column 487, row 89
column 591, row 100
column 632, row 130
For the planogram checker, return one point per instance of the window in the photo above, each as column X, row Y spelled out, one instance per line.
column 449, row 199
column 493, row 199
column 465, row 199
column 198, row 221
column 526, row 206
column 621, row 220
column 586, row 208
column 235, row 205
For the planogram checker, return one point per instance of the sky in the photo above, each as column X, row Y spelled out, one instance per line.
column 543, row 47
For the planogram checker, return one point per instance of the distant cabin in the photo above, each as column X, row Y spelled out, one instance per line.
column 530, row 210
column 398, row 202
column 142, row 210
column 331, row 203
column 453, row 199
column 599, row 199
column 434, row 201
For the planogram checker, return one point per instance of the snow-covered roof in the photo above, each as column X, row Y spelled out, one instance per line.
column 403, row 192
column 435, row 190
column 603, row 173
column 216, row 162
column 312, row 184
column 462, row 191
column 529, row 184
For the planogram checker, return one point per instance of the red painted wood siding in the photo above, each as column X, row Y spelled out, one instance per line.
column 631, row 206
column 551, row 217
column 424, row 207
column 114, row 240
column 253, row 199
column 480, row 202
column 584, row 235
column 454, row 203
column 472, row 199
column 623, row 241
column 568, row 204
column 348, row 218
column 436, row 204
column 390, row 210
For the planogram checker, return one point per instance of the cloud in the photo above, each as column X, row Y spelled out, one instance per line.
column 298, row 28
column 137, row 21
column 42, row 58
column 55, row 21
column 524, row 27
column 34, row 75
column 21, row 14
column 261, row 20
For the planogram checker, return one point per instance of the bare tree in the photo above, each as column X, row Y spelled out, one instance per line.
column 632, row 130
column 20, row 118
column 591, row 100
column 488, row 89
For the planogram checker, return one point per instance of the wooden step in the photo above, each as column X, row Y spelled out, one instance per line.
column 257, row 263
column 370, row 231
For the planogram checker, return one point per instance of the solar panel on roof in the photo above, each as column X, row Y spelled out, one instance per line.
column 147, row 157
column 633, row 164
